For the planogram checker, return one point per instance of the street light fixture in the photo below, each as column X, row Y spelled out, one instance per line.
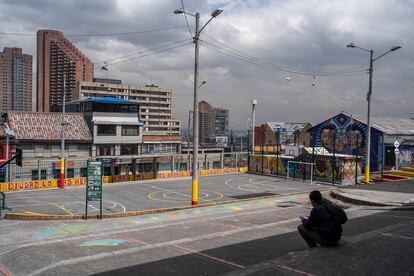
column 371, row 70
column 215, row 13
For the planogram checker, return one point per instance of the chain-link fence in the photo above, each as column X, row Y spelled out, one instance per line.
column 75, row 168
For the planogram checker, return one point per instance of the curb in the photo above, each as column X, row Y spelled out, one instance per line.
column 22, row 216
column 358, row 201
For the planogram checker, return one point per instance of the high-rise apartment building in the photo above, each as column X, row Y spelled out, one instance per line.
column 213, row 122
column 154, row 102
column 58, row 59
column 15, row 80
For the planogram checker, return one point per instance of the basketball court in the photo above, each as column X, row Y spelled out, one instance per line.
column 155, row 194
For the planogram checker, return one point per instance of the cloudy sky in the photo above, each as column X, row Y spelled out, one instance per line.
column 249, row 51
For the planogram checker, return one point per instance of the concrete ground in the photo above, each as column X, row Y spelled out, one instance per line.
column 153, row 194
column 255, row 237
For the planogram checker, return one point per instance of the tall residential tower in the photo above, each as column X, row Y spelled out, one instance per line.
column 58, row 58
column 15, row 80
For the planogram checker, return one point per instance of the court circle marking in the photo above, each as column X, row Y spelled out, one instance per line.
column 204, row 195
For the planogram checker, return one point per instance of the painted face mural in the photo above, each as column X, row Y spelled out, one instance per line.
column 342, row 134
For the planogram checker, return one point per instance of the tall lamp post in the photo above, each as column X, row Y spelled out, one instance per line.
column 198, row 30
column 371, row 69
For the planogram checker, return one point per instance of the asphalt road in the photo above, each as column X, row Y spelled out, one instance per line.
column 251, row 237
column 153, row 194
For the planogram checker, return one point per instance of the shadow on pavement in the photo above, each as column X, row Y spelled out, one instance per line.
column 387, row 253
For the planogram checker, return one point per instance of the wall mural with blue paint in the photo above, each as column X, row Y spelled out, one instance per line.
column 345, row 135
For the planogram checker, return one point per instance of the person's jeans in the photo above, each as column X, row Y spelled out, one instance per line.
column 312, row 238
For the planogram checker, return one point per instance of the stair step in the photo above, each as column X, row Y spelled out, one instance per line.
column 408, row 169
column 394, row 177
column 403, row 173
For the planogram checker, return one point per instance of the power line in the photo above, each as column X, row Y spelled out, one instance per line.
column 279, row 66
column 143, row 51
column 104, row 34
column 259, row 62
column 186, row 21
column 150, row 54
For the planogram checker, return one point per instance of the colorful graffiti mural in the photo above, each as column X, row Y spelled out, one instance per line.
column 269, row 164
column 340, row 133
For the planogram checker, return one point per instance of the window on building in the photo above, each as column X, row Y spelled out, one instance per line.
column 129, row 149
column 35, row 174
column 130, row 131
column 104, row 150
column 106, row 130
column 70, row 173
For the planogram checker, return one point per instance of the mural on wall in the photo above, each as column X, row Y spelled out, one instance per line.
column 349, row 135
column 269, row 164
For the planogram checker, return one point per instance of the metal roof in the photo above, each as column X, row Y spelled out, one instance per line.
column 106, row 100
column 287, row 127
column 390, row 125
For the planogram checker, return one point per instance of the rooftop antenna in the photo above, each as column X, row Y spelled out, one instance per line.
column 104, row 68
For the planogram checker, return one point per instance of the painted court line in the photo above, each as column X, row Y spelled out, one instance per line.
column 188, row 250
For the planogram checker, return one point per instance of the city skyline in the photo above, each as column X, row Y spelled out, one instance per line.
column 309, row 38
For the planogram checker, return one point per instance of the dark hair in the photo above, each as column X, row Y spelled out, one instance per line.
column 315, row 196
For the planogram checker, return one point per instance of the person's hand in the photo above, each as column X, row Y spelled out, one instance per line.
column 303, row 217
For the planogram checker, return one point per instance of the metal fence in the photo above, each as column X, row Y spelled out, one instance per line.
column 50, row 169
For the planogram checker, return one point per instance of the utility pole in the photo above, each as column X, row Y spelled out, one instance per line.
column 371, row 70
column 254, row 102
column 194, row 181
column 62, row 146
column 215, row 13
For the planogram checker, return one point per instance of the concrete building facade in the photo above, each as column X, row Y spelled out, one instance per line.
column 155, row 103
column 15, row 80
column 213, row 122
column 58, row 57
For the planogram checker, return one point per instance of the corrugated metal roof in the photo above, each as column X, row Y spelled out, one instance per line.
column 47, row 126
column 290, row 127
column 390, row 125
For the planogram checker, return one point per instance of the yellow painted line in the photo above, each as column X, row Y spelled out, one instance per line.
column 61, row 207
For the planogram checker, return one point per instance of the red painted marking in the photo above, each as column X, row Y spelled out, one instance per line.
column 128, row 238
column 4, row 271
column 294, row 270
column 62, row 180
column 188, row 250
column 194, row 203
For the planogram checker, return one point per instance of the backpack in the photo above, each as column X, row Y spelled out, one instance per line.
column 337, row 214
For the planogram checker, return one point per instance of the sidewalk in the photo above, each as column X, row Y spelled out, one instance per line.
column 393, row 194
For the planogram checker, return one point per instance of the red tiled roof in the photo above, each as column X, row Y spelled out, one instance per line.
column 47, row 126
column 162, row 138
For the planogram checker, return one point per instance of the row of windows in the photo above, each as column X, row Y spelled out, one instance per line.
column 110, row 130
column 97, row 88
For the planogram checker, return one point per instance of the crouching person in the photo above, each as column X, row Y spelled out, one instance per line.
column 324, row 224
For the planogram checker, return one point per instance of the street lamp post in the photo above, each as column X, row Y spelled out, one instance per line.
column 215, row 13
column 371, row 70
column 254, row 103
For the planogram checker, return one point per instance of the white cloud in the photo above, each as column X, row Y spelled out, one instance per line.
column 301, row 35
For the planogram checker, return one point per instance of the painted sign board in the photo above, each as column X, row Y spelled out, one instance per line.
column 94, row 181
column 94, row 185
column 396, row 144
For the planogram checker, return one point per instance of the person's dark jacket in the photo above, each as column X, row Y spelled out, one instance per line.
column 321, row 220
